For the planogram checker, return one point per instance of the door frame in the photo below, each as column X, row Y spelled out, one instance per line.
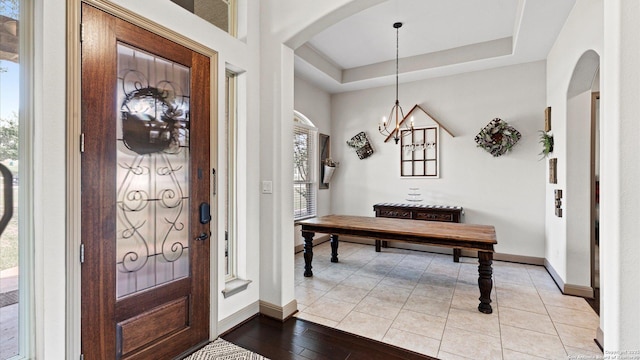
column 73, row 173
column 595, row 95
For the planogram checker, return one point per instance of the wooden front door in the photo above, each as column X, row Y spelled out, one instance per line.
column 145, row 192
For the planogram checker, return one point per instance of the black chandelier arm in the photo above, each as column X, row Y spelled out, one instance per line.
column 386, row 128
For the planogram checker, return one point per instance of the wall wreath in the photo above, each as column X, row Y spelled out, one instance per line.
column 497, row 137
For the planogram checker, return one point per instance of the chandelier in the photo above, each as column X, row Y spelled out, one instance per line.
column 386, row 127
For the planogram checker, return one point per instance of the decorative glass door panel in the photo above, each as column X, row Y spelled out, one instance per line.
column 152, row 227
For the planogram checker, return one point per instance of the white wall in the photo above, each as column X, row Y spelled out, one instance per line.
column 315, row 104
column 577, row 196
column 506, row 191
column 49, row 174
column 620, row 175
column 284, row 24
column 582, row 32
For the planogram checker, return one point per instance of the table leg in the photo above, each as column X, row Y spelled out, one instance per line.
column 334, row 248
column 485, row 281
column 308, row 252
column 378, row 245
column 456, row 255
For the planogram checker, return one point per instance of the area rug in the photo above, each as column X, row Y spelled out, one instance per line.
column 221, row 349
column 8, row 298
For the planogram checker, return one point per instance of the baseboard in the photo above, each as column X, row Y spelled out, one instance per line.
column 554, row 275
column 279, row 312
column 238, row 317
column 578, row 290
column 522, row 259
column 529, row 260
column 568, row 289
column 599, row 338
column 316, row 241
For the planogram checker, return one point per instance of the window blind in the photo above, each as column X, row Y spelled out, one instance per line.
column 304, row 172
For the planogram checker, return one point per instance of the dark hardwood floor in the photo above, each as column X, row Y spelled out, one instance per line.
column 300, row 339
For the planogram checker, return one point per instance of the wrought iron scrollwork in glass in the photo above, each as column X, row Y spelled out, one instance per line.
column 153, row 172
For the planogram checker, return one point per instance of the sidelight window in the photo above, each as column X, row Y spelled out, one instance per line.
column 16, row 237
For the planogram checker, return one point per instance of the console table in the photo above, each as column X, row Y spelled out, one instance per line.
column 467, row 236
column 420, row 212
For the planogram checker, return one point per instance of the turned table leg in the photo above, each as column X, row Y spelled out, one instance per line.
column 485, row 281
column 334, row 248
column 456, row 255
column 378, row 242
column 308, row 252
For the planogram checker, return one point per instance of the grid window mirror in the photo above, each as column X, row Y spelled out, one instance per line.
column 221, row 13
column 305, row 136
column 419, row 152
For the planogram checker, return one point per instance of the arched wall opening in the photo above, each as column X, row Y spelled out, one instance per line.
column 580, row 177
column 279, row 37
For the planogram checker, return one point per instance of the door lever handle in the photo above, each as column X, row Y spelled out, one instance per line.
column 202, row 237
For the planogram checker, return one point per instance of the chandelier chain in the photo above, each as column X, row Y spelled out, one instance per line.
column 392, row 129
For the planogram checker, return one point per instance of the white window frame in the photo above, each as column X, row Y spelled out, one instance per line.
column 303, row 124
column 25, row 214
column 231, row 248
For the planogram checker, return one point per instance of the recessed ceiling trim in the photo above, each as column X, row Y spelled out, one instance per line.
column 319, row 61
column 517, row 24
column 462, row 36
column 459, row 55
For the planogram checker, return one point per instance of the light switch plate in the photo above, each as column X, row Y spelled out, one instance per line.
column 267, row 187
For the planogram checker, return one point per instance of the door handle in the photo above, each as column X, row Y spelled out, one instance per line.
column 202, row 237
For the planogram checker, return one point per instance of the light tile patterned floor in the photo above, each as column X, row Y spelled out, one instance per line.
column 427, row 303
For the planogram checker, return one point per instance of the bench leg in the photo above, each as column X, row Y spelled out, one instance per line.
column 308, row 252
column 334, row 248
column 380, row 243
column 456, row 255
column 485, row 281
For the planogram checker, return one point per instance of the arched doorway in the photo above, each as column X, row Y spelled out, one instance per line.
column 582, row 146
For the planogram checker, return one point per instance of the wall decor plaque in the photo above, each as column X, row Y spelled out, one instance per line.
column 497, row 137
column 361, row 143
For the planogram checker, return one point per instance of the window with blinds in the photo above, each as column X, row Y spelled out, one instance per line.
column 304, row 174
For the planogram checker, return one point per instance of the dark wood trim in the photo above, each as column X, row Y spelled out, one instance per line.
column 594, row 196
column 416, row 106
